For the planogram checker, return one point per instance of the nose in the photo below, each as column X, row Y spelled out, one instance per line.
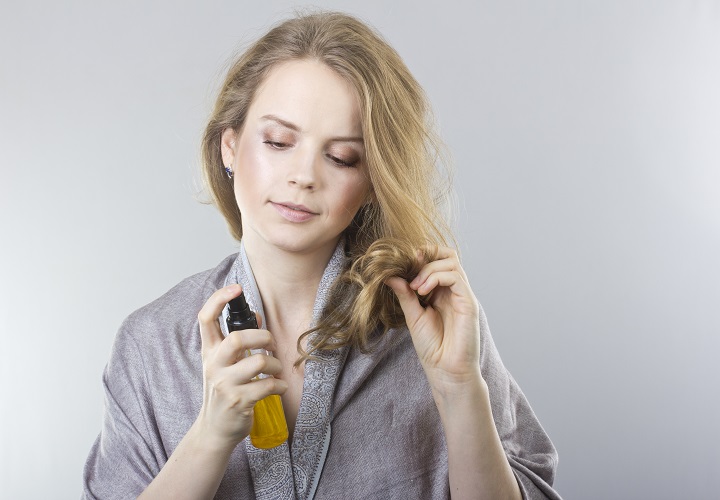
column 302, row 172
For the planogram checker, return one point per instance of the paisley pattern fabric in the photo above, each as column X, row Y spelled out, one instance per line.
column 280, row 472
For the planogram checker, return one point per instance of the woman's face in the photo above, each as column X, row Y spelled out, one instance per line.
column 299, row 163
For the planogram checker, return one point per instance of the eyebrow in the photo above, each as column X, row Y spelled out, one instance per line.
column 296, row 128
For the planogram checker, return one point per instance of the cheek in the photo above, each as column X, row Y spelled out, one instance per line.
column 252, row 172
column 352, row 195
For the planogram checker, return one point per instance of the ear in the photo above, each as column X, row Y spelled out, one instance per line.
column 227, row 146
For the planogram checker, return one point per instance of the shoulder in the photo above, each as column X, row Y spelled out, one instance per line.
column 176, row 310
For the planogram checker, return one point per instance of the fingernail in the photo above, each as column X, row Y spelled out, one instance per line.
column 233, row 288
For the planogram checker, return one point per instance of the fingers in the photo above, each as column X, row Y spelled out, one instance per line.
column 245, row 370
column 260, row 389
column 447, row 261
column 226, row 413
column 412, row 309
column 244, row 396
column 239, row 381
column 236, row 343
column 210, row 332
column 452, row 279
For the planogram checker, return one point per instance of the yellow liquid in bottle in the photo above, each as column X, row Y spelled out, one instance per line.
column 269, row 427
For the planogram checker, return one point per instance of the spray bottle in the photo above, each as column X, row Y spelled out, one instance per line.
column 269, row 428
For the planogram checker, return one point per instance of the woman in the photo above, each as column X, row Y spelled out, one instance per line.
column 320, row 157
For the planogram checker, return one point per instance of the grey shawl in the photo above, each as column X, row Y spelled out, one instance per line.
column 367, row 425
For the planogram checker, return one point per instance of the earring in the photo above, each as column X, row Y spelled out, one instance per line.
column 229, row 172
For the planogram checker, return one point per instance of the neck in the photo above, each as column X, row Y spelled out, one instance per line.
column 288, row 284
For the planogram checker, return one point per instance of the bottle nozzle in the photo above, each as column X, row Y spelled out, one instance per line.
column 240, row 310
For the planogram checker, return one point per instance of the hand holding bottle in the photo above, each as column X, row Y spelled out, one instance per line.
column 231, row 386
column 269, row 428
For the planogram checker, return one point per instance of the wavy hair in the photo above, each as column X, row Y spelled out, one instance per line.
column 405, row 158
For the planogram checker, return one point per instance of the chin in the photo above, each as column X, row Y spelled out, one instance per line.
column 292, row 243
column 301, row 245
column 293, row 239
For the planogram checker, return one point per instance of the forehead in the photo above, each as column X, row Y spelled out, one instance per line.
column 311, row 95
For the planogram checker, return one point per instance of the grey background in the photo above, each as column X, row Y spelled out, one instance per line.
column 586, row 137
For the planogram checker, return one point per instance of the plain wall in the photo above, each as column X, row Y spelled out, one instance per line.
column 586, row 140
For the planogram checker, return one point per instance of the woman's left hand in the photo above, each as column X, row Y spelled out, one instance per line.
column 446, row 333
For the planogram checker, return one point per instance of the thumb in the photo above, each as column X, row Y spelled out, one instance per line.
column 408, row 300
column 210, row 332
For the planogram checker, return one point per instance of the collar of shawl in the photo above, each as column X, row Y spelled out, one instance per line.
column 280, row 472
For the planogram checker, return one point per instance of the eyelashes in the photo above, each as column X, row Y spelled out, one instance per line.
column 276, row 145
column 341, row 162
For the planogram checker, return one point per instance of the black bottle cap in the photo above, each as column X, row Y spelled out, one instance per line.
column 240, row 309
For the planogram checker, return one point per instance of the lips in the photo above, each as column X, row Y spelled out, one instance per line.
column 293, row 212
column 301, row 208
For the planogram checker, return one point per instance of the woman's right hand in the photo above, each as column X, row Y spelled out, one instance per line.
column 229, row 391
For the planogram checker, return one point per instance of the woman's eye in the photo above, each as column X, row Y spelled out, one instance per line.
column 341, row 162
column 275, row 144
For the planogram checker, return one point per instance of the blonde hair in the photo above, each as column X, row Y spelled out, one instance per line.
column 402, row 154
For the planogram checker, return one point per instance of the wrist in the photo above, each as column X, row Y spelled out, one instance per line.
column 457, row 384
column 204, row 440
column 451, row 393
